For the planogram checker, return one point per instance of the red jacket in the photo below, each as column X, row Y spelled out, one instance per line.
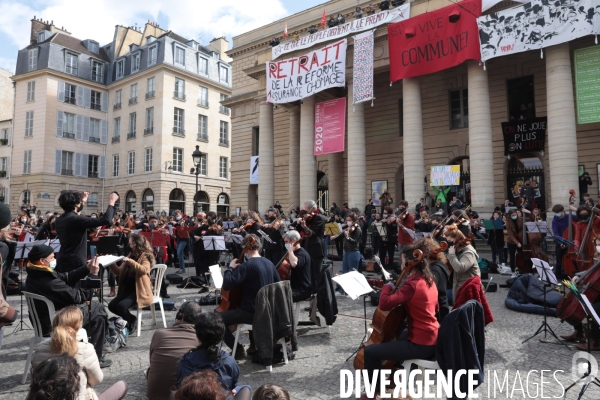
column 421, row 302
column 472, row 289
column 409, row 222
column 581, row 227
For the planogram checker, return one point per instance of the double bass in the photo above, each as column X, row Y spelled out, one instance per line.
column 387, row 323
column 530, row 248
column 585, row 254
column 570, row 257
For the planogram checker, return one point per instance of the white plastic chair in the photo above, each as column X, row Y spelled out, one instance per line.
column 160, row 272
column 37, row 326
column 422, row 364
column 246, row 327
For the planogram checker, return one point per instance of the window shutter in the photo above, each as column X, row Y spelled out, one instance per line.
column 87, row 97
column 58, row 164
column 59, row 123
column 76, row 170
column 104, row 133
column 104, row 102
column 61, row 91
column 80, row 96
column 102, row 167
column 84, row 165
column 79, row 128
column 86, row 129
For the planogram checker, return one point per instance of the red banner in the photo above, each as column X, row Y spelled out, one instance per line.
column 330, row 126
column 434, row 41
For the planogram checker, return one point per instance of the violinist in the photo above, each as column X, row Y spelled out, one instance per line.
column 560, row 223
column 204, row 258
column 47, row 230
column 273, row 228
column 405, row 222
column 424, row 225
column 253, row 224
column 438, row 264
column 388, row 243
column 587, row 201
column 313, row 227
column 352, row 235
column 514, row 225
column 420, row 297
column 375, row 236
column 299, row 259
column 461, row 256
column 183, row 242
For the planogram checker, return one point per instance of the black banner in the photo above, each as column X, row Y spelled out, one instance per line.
column 524, row 136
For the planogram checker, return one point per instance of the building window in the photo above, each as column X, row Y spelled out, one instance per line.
column 459, row 109
column 95, row 102
column 120, row 68
column 93, row 46
column 4, row 137
column 29, row 124
column 179, row 89
column 255, row 140
column 176, row 201
column 69, row 126
column 149, row 121
column 521, row 98
column 118, row 95
column 202, row 201
column 32, row 59
column 116, row 130
column 94, row 131
column 223, row 109
column 223, row 74
column 97, row 71
column 148, row 200
column 130, row 200
column 179, row 56
column 202, row 127
column 70, row 93
column 202, row 96
column 27, row 162
column 26, row 197
column 202, row 65
column 152, row 52
column 131, row 162
column 135, row 62
column 71, row 63
column 92, row 166
column 177, row 159
column 150, row 92
column 115, row 165
column 132, row 124
column 3, row 166
column 224, row 133
column 133, row 94
column 31, row 91
column 92, row 200
column 67, row 163
column 202, row 166
column 148, row 160
column 223, row 167
column 222, row 205
column 178, row 122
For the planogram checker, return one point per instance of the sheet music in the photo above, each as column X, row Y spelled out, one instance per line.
column 105, row 261
column 55, row 244
column 217, row 277
column 23, row 248
column 590, row 308
column 354, row 284
column 545, row 271
column 214, row 243
column 537, row 227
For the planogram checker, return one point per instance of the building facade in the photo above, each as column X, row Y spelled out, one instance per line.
column 452, row 117
column 123, row 117
column 7, row 97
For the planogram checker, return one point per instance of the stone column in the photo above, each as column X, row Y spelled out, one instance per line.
column 266, row 167
column 335, row 174
column 357, row 153
column 294, row 158
column 414, row 168
column 562, row 133
column 481, row 155
column 308, row 162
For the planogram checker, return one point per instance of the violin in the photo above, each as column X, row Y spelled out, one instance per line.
column 232, row 299
column 461, row 244
column 350, row 229
column 386, row 324
column 216, row 228
column 284, row 268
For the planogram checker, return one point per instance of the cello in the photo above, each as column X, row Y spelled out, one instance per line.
column 232, row 299
column 569, row 258
column 569, row 309
column 530, row 248
column 387, row 323
column 585, row 253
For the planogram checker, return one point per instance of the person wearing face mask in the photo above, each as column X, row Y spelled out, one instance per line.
column 352, row 235
column 183, row 240
column 300, row 279
column 203, row 258
column 71, row 227
column 560, row 223
column 583, row 218
column 46, row 230
column 61, row 289
column 514, row 226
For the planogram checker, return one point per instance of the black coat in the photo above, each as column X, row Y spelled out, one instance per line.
column 326, row 301
column 314, row 244
column 440, row 272
column 496, row 238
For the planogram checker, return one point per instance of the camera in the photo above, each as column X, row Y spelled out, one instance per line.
column 91, row 284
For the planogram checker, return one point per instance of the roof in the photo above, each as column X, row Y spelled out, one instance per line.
column 72, row 43
column 177, row 37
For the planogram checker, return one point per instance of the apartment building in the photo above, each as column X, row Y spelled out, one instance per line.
column 123, row 117
column 7, row 95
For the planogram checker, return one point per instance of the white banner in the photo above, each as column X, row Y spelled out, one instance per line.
column 535, row 26
column 362, row 71
column 254, row 170
column 299, row 77
column 358, row 25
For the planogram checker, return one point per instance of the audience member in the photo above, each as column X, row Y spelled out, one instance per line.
column 55, row 379
column 271, row 391
column 204, row 385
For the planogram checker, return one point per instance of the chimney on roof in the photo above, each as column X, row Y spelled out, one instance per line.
column 220, row 45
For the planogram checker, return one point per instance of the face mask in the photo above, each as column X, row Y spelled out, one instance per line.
column 117, row 223
column 178, row 218
column 271, row 219
column 52, row 264
column 79, row 208
column 598, row 248
column 559, row 215
column 385, row 215
column 137, row 221
column 287, row 246
column 584, row 218
column 93, row 216
column 514, row 217
column 23, row 220
column 154, row 224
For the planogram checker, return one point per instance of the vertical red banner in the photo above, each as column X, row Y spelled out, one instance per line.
column 330, row 126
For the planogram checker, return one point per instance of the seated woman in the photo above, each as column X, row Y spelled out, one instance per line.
column 462, row 259
column 438, row 264
column 420, row 297
column 204, row 385
column 134, row 280
column 56, row 378
column 68, row 337
column 210, row 331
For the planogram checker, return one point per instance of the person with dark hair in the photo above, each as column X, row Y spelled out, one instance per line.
column 560, row 223
column 208, row 355
column 439, row 265
column 250, row 276
column 47, row 230
column 419, row 295
column 271, row 391
column 584, row 181
column 388, row 243
column 514, row 226
column 406, row 225
column 55, row 379
column 72, row 227
column 581, row 226
column 166, row 349
column 352, row 235
column 134, row 280
column 204, row 385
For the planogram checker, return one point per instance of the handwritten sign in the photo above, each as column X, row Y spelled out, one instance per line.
column 362, row 71
column 524, row 136
column 299, row 77
column 330, row 126
column 444, row 175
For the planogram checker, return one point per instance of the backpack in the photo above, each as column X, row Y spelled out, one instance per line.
column 117, row 332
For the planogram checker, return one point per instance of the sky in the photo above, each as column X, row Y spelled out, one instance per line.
column 202, row 20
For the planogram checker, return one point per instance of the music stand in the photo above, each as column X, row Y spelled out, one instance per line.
column 331, row 229
column 548, row 278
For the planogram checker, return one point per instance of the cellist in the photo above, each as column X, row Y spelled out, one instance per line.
column 419, row 295
column 583, row 218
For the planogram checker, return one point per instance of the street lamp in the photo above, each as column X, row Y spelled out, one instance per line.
column 197, row 157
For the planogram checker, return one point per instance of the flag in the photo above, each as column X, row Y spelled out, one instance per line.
column 324, row 19
column 285, row 34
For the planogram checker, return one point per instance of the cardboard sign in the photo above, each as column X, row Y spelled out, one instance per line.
column 444, row 175
column 330, row 126
column 524, row 136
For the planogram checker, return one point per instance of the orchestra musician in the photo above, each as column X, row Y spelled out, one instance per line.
column 47, row 230
column 274, row 251
column 313, row 226
column 560, row 223
column 404, row 221
column 461, row 256
column 583, row 217
column 253, row 224
column 72, row 227
column 250, row 276
column 388, row 243
column 419, row 295
column 205, row 258
column 299, row 259
column 183, row 242
column 514, row 225
column 438, row 264
column 587, row 201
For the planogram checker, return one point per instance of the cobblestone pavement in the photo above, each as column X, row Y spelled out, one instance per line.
column 315, row 372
